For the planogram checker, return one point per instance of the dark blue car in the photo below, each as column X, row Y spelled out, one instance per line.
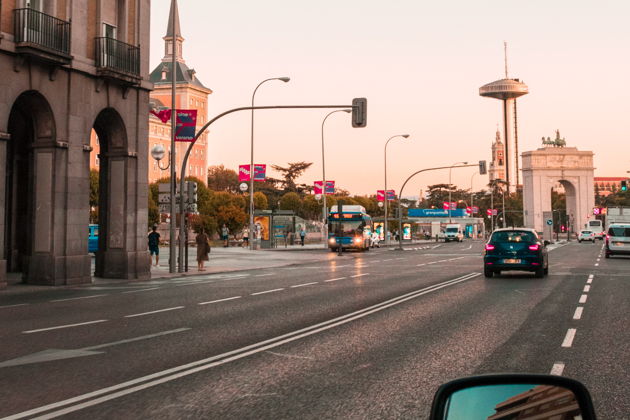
column 515, row 249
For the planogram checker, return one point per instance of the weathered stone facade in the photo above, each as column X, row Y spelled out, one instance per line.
column 50, row 100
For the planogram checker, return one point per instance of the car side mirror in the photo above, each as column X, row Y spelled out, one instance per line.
column 512, row 396
column 546, row 242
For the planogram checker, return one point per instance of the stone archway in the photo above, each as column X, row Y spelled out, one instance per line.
column 27, row 183
column 545, row 167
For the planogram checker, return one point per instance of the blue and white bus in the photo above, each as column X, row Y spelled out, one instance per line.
column 351, row 228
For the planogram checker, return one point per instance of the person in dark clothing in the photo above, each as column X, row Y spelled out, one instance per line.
column 154, row 245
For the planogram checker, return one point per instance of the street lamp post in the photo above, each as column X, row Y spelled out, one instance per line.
column 450, row 190
column 324, row 207
column 385, row 192
column 251, row 164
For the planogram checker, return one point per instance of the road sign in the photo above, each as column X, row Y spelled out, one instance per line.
column 549, row 222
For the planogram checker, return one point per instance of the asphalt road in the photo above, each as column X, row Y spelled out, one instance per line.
column 364, row 335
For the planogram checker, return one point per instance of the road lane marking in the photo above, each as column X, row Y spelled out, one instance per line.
column 13, row 306
column 219, row 300
column 338, row 278
column 155, row 312
column 568, row 339
column 141, row 290
column 583, row 299
column 64, row 326
column 578, row 312
column 587, row 288
column 557, row 369
column 304, row 284
column 115, row 391
column 77, row 298
column 267, row 291
column 359, row 275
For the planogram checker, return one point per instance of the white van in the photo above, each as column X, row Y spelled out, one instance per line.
column 618, row 239
column 453, row 232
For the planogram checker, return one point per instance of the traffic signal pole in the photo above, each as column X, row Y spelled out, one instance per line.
column 359, row 119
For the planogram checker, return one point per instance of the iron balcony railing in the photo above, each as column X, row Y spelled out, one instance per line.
column 41, row 30
column 117, row 56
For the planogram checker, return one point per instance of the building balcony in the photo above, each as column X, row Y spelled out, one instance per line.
column 118, row 61
column 42, row 36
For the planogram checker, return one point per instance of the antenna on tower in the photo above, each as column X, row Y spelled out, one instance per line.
column 505, row 55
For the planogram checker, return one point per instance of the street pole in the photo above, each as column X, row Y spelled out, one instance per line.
column 403, row 187
column 171, row 244
column 386, row 200
column 450, row 189
column 324, row 207
column 251, row 164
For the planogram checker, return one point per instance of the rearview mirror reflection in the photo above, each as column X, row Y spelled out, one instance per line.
column 513, row 401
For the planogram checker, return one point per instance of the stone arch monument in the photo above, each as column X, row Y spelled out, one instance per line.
column 552, row 164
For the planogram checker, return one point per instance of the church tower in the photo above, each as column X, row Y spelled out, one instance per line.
column 497, row 165
column 190, row 93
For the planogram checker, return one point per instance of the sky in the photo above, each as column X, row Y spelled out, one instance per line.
column 420, row 65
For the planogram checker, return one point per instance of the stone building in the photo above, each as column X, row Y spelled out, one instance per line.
column 70, row 67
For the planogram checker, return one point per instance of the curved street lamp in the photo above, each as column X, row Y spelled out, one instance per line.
column 324, row 207
column 386, row 204
column 251, row 164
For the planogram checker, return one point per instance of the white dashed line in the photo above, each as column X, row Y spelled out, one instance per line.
column 338, row 278
column 154, row 312
column 587, row 288
column 568, row 339
column 304, row 284
column 64, row 326
column 141, row 290
column 219, row 300
column 359, row 275
column 557, row 369
column 583, row 298
column 267, row 291
column 77, row 298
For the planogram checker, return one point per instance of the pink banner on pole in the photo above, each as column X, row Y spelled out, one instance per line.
column 380, row 195
column 259, row 172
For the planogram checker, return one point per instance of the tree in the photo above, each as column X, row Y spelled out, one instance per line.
column 222, row 179
column 291, row 173
column 291, row 201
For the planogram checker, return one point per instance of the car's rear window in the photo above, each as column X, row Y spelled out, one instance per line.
column 514, row 236
column 619, row 231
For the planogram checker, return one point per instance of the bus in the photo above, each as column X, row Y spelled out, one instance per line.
column 351, row 228
column 597, row 227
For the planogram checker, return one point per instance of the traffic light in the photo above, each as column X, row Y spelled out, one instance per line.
column 359, row 112
column 482, row 167
column 624, row 185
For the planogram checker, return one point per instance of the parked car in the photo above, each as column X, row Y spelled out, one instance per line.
column 93, row 238
column 587, row 235
column 618, row 239
column 518, row 249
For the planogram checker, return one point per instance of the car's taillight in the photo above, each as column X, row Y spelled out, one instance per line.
column 489, row 247
column 534, row 247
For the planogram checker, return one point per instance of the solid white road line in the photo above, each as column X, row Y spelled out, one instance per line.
column 587, row 288
column 77, row 298
column 568, row 339
column 138, row 384
column 304, row 284
column 154, row 312
column 338, row 278
column 359, row 275
column 141, row 290
column 578, row 312
column 64, row 326
column 219, row 300
column 583, row 299
column 267, row 291
column 557, row 369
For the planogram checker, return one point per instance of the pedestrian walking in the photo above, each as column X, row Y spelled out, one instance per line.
column 302, row 235
column 203, row 249
column 154, row 245
column 225, row 233
column 246, row 237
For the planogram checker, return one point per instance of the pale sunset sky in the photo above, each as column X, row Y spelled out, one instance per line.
column 420, row 64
